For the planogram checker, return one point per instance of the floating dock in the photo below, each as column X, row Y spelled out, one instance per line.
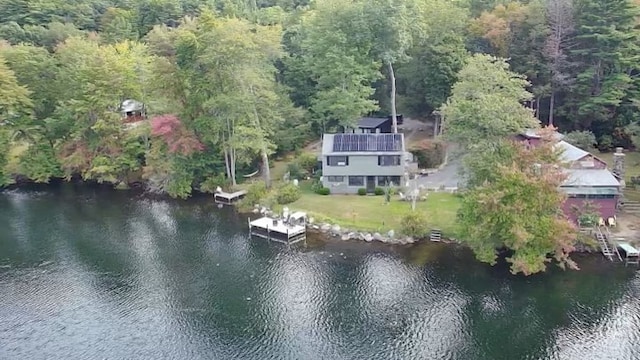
column 632, row 255
column 288, row 232
column 226, row 198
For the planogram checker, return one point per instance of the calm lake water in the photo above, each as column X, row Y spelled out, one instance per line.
column 98, row 274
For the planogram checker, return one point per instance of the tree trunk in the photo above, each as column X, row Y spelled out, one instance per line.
column 394, row 115
column 552, row 101
column 226, row 163
column 232, row 163
column 263, row 150
column 231, row 154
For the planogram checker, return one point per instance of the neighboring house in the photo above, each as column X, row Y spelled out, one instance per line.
column 132, row 111
column 588, row 179
column 374, row 125
column 354, row 161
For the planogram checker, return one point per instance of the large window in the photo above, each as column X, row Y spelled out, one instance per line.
column 356, row 180
column 337, row 160
column 389, row 160
column 335, row 179
column 389, row 180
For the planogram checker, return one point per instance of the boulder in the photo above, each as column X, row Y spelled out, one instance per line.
column 335, row 229
column 377, row 236
column 311, row 220
column 368, row 237
column 352, row 236
column 345, row 237
column 315, row 227
column 325, row 227
column 410, row 240
column 391, row 233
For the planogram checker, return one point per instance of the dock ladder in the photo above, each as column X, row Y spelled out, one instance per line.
column 436, row 235
column 609, row 249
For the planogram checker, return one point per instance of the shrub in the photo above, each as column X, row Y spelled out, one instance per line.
column 255, row 193
column 429, row 153
column 211, row 183
column 287, row 194
column 378, row 191
column 362, row 191
column 295, row 171
column 307, row 162
column 323, row 191
column 585, row 140
column 415, row 225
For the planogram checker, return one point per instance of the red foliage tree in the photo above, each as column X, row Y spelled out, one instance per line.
column 177, row 137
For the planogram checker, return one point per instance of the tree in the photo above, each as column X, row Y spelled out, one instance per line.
column 561, row 25
column 14, row 98
column 337, row 49
column 486, row 104
column 605, row 51
column 520, row 209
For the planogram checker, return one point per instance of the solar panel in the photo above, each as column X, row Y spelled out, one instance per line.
column 367, row 142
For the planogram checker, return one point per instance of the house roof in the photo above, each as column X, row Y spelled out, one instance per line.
column 590, row 178
column 362, row 144
column 131, row 105
column 570, row 152
column 570, row 190
column 534, row 134
column 371, row 122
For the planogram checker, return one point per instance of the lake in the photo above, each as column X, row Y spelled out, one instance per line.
column 92, row 273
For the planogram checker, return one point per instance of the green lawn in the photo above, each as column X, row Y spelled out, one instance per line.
column 369, row 213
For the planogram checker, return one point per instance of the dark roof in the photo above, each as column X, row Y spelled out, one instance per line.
column 371, row 122
column 367, row 142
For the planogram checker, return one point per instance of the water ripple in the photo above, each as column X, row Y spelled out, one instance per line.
column 89, row 275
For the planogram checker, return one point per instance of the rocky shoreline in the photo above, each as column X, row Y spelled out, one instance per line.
column 344, row 234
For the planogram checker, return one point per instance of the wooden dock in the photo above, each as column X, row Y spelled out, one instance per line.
column 278, row 230
column 226, row 198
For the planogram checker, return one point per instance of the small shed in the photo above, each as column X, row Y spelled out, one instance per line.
column 132, row 111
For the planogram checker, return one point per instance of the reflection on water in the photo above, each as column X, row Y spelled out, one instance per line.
column 89, row 273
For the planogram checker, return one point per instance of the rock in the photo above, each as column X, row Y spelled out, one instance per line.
column 391, row 233
column 352, row 236
column 377, row 236
column 325, row 227
column 345, row 237
column 410, row 240
column 311, row 220
column 368, row 237
column 335, row 229
column 315, row 227
column 255, row 211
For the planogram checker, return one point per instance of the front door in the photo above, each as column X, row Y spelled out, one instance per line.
column 371, row 184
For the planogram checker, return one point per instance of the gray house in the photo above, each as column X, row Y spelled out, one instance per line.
column 354, row 161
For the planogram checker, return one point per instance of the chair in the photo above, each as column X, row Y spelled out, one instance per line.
column 601, row 222
column 612, row 222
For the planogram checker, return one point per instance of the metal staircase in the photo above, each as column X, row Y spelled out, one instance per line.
column 609, row 249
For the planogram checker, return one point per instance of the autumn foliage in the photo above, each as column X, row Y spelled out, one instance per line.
column 177, row 137
column 519, row 209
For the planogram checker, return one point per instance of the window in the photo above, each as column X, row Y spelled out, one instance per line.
column 389, row 160
column 335, row 179
column 337, row 160
column 356, row 180
column 390, row 180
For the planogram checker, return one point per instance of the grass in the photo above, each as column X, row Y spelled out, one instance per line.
column 370, row 213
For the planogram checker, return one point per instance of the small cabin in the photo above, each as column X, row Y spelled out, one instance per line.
column 132, row 111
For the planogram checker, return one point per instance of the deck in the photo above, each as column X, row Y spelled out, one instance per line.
column 277, row 230
column 226, row 198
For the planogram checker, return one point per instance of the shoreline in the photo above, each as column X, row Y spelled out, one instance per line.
column 326, row 230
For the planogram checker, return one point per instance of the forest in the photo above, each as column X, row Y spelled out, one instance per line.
column 228, row 84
